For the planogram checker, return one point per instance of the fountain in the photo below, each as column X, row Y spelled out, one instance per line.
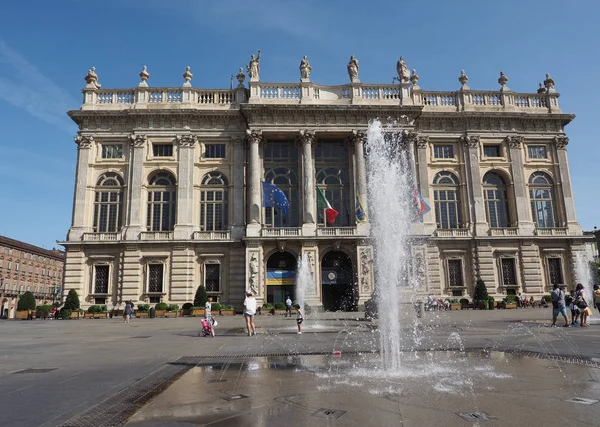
column 390, row 187
column 584, row 275
column 304, row 281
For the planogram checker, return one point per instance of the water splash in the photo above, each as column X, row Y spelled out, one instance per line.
column 390, row 185
column 304, row 280
column 584, row 275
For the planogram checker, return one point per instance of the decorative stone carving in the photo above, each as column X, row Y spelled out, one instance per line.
column 353, row 69
column 502, row 80
column 253, row 68
column 422, row 141
column 187, row 76
column 305, row 68
column 84, row 141
column 92, row 78
column 541, row 88
column 561, row 142
column 471, row 140
column 514, row 141
column 410, row 137
column 463, row 79
column 414, row 79
column 144, row 75
column 358, row 136
column 420, row 266
column 306, row 137
column 365, row 270
column 402, row 70
column 187, row 141
column 241, row 77
column 549, row 83
column 253, row 276
column 138, row 140
column 254, row 136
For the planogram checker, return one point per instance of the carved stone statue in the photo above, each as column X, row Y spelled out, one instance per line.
column 365, row 270
column 353, row 69
column 253, row 274
column 403, row 71
column 311, row 264
column 253, row 67
column 92, row 78
column 305, row 68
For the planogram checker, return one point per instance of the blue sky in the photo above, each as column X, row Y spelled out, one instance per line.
column 46, row 48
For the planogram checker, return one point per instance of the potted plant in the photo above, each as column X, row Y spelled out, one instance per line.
column 227, row 310
column 267, row 308
column 480, row 298
column 72, row 303
column 43, row 311
column 101, row 312
column 171, row 311
column 90, row 312
column 279, row 308
column 142, row 310
column 24, row 306
column 491, row 302
column 187, row 308
column 465, row 304
column 161, row 308
column 64, row 313
column 454, row 304
column 510, row 301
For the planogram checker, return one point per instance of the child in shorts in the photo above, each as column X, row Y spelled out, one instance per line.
column 299, row 318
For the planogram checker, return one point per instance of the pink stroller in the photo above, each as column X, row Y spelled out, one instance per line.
column 208, row 328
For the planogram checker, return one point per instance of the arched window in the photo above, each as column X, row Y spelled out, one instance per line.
column 541, row 194
column 287, row 181
column 108, row 203
column 446, row 196
column 161, row 202
column 334, row 183
column 496, row 200
column 213, row 202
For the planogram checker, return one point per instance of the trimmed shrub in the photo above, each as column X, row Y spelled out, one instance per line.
column 464, row 301
column 491, row 302
column 26, row 302
column 187, row 305
column 94, row 309
column 268, row 306
column 161, row 306
column 453, row 300
column 103, row 309
column 72, row 300
column 548, row 298
column 481, row 293
column 215, row 306
column 143, row 308
column 200, row 297
column 279, row 306
column 510, row 299
column 227, row 307
column 64, row 313
column 172, row 307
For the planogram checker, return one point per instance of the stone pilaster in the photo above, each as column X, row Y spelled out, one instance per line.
column 486, row 266
column 422, row 177
column 522, row 204
column 78, row 224
column 132, row 274
column 134, row 190
column 74, row 272
column 307, row 138
column 237, row 227
column 531, row 267
column 364, row 255
column 474, row 187
column 254, row 195
column 359, row 138
column 567, row 190
column 434, row 272
column 236, row 285
column 183, row 275
column 185, row 186
column 312, row 295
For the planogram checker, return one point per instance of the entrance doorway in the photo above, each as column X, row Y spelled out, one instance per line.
column 338, row 282
column 281, row 277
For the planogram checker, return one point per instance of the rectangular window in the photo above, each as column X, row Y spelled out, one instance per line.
column 17, row 266
column 100, row 301
column 443, row 151
column 155, row 278
column 101, row 279
column 9, row 265
column 491, row 151
column 555, row 271
column 113, row 151
column 214, row 151
column 537, row 152
column 212, row 277
column 508, row 271
column 455, row 272
column 162, row 150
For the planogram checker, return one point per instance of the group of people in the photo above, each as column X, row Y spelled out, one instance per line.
column 576, row 302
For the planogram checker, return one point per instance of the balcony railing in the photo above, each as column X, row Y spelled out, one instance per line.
column 211, row 235
column 512, row 231
column 281, row 232
column 551, row 231
column 156, row 235
column 336, row 231
column 101, row 237
column 452, row 232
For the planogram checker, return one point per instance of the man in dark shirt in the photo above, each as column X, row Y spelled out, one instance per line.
column 559, row 305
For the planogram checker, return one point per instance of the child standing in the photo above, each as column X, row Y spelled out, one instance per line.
column 299, row 318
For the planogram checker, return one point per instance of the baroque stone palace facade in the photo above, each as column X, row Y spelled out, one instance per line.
column 169, row 189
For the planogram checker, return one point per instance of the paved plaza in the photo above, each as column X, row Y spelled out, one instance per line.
column 497, row 368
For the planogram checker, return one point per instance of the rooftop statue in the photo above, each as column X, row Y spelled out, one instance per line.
column 403, row 72
column 353, row 69
column 305, row 68
column 253, row 67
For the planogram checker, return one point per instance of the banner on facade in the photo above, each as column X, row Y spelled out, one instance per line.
column 281, row 277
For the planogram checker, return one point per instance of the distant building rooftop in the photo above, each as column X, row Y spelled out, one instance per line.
column 17, row 244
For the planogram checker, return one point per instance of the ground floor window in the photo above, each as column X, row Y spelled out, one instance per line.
column 212, row 278
column 509, row 277
column 101, row 279
column 155, row 278
column 100, row 301
column 455, row 278
column 555, row 271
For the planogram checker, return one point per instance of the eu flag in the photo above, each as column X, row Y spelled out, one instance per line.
column 273, row 197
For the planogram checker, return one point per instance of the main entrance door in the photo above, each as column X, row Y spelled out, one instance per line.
column 338, row 282
column 281, row 277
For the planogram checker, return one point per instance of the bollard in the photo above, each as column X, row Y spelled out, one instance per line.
column 152, row 313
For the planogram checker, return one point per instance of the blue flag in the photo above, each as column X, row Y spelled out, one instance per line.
column 361, row 216
column 273, row 197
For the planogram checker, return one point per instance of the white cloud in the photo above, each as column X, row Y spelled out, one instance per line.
column 26, row 87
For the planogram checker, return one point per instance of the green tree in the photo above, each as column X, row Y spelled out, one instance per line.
column 72, row 301
column 481, row 293
column 26, row 302
column 201, row 297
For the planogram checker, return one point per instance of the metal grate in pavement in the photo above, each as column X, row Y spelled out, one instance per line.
column 582, row 400
column 34, row 371
column 235, row 397
column 476, row 416
column 332, row 414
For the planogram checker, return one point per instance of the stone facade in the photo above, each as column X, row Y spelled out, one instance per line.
column 169, row 189
column 25, row 267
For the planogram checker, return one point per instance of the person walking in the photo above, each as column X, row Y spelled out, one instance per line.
column 559, row 305
column 582, row 304
column 299, row 318
column 249, row 313
column 207, row 314
column 288, row 306
column 597, row 297
column 127, row 312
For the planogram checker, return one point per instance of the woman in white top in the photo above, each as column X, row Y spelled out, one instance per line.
column 249, row 312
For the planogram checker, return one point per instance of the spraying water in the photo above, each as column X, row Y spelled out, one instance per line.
column 391, row 207
column 304, row 280
column 584, row 275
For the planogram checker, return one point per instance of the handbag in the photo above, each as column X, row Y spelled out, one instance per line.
column 588, row 311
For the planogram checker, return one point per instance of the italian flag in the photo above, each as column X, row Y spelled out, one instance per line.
column 323, row 203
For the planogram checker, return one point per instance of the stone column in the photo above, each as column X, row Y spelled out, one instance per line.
column 565, row 181
column 237, row 227
column 422, row 175
column 254, row 195
column 78, row 226
column 476, row 205
column 521, row 199
column 136, row 160
column 359, row 138
column 184, row 225
column 307, row 138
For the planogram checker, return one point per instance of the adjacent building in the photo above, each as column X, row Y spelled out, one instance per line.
column 169, row 189
column 25, row 267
